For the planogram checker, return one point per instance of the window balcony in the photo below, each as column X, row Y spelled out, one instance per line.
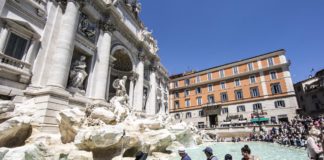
column 14, row 66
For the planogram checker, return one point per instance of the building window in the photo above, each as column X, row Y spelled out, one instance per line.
column 16, row 46
column 198, row 90
column 254, row 92
column 187, row 82
column 314, row 97
column 235, row 70
column 224, row 110
column 276, row 88
column 279, row 104
column 250, row 66
column 273, row 75
column 187, row 102
column 273, row 119
column 238, row 94
column 317, row 106
column 201, row 113
column 237, row 82
column 199, row 101
column 270, row 61
column 224, row 97
column 210, row 87
column 188, row 115
column 222, row 73
column 211, row 99
column 176, row 94
column 252, row 79
column 197, row 79
column 241, row 108
column 210, row 76
column 223, row 85
column 177, row 116
column 175, row 84
column 176, row 105
column 257, row 106
column 186, row 93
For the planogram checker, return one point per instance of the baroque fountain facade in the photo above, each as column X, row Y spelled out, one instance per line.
column 83, row 82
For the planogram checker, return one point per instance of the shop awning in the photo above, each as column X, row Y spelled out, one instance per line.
column 254, row 120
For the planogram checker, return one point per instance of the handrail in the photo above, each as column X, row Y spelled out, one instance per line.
column 13, row 61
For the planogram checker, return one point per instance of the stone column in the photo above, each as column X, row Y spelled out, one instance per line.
column 62, row 57
column 3, row 37
column 131, row 89
column 101, row 66
column 138, row 99
column 111, row 65
column 151, row 105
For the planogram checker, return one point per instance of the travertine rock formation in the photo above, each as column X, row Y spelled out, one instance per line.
column 91, row 133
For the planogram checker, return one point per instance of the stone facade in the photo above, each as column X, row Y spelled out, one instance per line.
column 310, row 95
column 68, row 53
column 257, row 89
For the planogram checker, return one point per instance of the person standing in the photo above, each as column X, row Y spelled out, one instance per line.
column 313, row 150
column 183, row 154
column 209, row 153
column 246, row 153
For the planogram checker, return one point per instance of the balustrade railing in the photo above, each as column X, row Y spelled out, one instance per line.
column 4, row 59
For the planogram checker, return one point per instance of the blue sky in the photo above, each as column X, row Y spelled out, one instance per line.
column 198, row 34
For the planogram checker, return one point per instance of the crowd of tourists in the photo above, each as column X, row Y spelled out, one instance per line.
column 300, row 132
column 246, row 154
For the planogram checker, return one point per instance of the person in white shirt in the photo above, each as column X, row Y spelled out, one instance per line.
column 313, row 149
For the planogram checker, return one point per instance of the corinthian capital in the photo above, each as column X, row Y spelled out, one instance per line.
column 107, row 26
column 141, row 56
column 63, row 3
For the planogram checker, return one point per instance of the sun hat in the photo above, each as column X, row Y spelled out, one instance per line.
column 182, row 150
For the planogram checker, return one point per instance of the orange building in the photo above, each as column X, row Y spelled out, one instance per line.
column 254, row 90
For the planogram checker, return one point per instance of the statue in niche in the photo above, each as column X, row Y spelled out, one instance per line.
column 78, row 74
column 119, row 85
column 119, row 102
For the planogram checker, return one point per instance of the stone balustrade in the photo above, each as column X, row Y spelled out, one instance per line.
column 4, row 59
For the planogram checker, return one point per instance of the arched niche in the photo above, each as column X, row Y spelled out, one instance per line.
column 123, row 65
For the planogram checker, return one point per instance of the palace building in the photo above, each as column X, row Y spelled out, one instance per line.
column 254, row 90
column 310, row 95
column 58, row 54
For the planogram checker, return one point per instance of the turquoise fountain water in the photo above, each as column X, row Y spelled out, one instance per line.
column 266, row 151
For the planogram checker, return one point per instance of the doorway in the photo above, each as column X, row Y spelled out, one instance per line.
column 213, row 121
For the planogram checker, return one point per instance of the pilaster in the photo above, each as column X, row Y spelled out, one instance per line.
column 263, row 81
column 3, row 37
column 288, row 80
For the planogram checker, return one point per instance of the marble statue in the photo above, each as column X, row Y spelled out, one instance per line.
column 120, row 86
column 119, row 102
column 148, row 38
column 78, row 74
